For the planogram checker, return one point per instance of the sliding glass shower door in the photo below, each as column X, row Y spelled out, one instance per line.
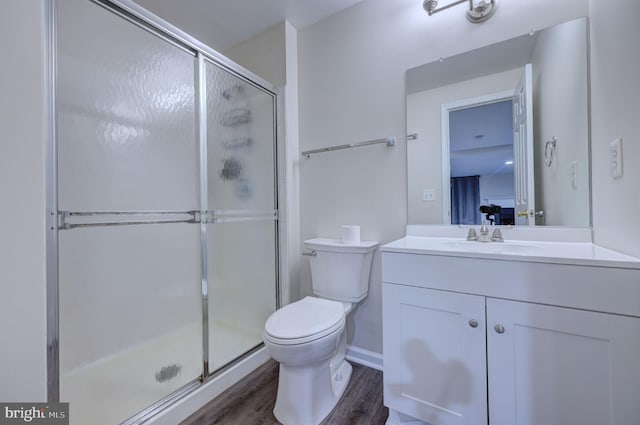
column 130, row 301
column 242, row 200
column 167, row 213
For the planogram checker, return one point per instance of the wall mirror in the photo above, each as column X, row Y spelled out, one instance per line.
column 501, row 133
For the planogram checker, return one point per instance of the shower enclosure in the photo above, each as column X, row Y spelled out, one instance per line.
column 166, row 203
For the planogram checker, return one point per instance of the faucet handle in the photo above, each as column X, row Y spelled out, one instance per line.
column 484, row 230
column 497, row 236
column 472, row 235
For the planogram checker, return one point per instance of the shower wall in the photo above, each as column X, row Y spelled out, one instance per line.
column 154, row 219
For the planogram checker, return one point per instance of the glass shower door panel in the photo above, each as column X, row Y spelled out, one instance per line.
column 242, row 286
column 241, row 257
column 240, row 143
column 126, row 115
column 130, row 317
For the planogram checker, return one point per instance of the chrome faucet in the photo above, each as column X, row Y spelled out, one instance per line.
column 496, row 236
column 484, row 233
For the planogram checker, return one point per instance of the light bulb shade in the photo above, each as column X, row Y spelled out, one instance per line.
column 481, row 10
column 430, row 5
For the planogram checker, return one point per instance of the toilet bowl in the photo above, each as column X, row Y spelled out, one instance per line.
column 305, row 331
column 308, row 337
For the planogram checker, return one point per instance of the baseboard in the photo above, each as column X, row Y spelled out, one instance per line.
column 397, row 418
column 364, row 357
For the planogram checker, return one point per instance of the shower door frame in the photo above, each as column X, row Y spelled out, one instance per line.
column 136, row 15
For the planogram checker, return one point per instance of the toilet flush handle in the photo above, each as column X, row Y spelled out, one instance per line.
column 312, row 253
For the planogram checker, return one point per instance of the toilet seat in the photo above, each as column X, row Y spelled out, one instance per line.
column 303, row 321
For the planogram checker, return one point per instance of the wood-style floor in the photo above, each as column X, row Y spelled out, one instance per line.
column 251, row 401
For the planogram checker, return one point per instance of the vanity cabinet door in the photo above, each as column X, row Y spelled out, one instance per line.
column 435, row 355
column 558, row 366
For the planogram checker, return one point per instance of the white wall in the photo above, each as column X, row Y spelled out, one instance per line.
column 615, row 93
column 23, row 368
column 352, row 89
column 497, row 186
column 291, row 175
column 560, row 87
column 424, row 159
column 264, row 54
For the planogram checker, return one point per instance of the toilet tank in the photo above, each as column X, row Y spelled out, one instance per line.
column 340, row 271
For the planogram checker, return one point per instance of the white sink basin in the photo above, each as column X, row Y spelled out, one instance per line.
column 518, row 250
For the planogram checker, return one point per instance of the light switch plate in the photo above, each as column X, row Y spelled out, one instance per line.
column 428, row 195
column 615, row 158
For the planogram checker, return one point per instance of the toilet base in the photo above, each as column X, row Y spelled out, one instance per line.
column 307, row 394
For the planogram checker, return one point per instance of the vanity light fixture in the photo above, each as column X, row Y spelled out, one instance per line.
column 478, row 11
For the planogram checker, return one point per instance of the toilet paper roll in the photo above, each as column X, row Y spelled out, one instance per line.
column 351, row 235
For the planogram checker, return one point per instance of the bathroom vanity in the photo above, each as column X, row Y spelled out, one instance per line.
column 510, row 333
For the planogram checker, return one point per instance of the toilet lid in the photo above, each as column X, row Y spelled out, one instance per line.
column 305, row 318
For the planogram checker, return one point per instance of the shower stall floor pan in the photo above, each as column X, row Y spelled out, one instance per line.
column 112, row 389
column 228, row 341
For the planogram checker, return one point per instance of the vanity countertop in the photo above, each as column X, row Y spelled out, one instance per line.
column 574, row 253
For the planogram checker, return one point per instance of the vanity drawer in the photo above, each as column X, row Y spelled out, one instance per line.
column 605, row 289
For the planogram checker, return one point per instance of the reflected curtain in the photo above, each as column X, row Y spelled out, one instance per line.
column 465, row 200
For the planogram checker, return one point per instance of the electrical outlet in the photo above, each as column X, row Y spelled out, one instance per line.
column 574, row 174
column 428, row 195
column 615, row 158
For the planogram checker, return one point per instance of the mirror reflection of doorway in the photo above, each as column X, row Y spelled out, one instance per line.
column 481, row 160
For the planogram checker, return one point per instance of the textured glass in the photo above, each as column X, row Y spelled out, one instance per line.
column 130, row 317
column 242, row 287
column 130, row 298
column 126, row 115
column 240, row 143
column 241, row 177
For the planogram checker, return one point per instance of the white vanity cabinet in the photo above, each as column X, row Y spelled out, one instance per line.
column 477, row 341
column 435, row 359
column 554, row 365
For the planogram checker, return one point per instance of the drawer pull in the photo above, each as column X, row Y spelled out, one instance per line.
column 499, row 329
column 473, row 323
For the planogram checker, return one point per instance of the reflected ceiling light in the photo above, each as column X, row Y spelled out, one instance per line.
column 478, row 11
column 508, row 163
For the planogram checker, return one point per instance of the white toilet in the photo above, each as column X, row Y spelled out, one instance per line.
column 308, row 337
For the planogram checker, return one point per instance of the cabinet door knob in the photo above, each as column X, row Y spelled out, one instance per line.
column 499, row 329
column 473, row 323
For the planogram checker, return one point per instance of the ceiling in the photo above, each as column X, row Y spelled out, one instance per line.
column 225, row 23
column 481, row 140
